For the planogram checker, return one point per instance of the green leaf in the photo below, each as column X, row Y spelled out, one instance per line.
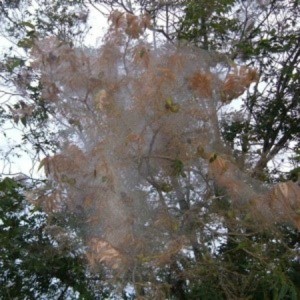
column 171, row 106
column 25, row 43
column 165, row 187
column 283, row 291
column 13, row 63
column 27, row 24
column 24, row 121
column 178, row 168
column 294, row 294
column 174, row 108
column 242, row 245
column 8, row 184
column 169, row 102
column 294, row 174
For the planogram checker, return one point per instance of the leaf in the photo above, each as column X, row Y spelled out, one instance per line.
column 165, row 187
column 24, row 121
column 16, row 119
column 294, row 174
column 231, row 214
column 202, row 153
column 242, row 245
column 178, row 168
column 213, row 158
column 42, row 163
column 174, row 108
column 171, row 106
column 68, row 180
column 169, row 102
column 283, row 190
column 25, row 43
column 219, row 164
column 27, row 24
column 8, row 184
column 14, row 63
column 293, row 294
column 283, row 291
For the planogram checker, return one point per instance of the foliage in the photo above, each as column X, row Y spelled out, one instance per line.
column 34, row 263
column 171, row 192
column 207, row 24
column 22, row 23
column 261, row 34
column 266, row 36
column 141, row 156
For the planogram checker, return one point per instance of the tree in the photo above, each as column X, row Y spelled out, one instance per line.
column 263, row 34
column 144, row 166
column 37, row 258
column 270, row 123
column 208, row 25
column 270, row 44
column 165, row 188
column 21, row 25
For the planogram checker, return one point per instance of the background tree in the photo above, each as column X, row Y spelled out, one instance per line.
column 22, row 105
column 269, row 40
column 35, row 263
column 37, row 258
